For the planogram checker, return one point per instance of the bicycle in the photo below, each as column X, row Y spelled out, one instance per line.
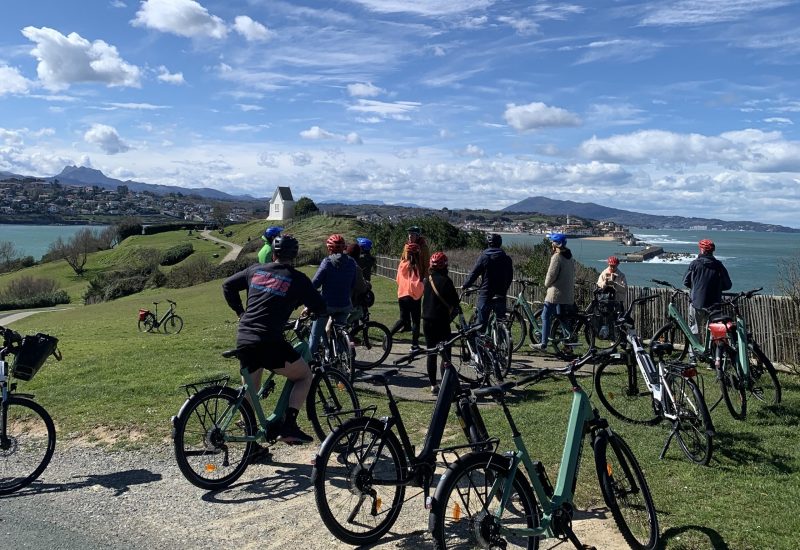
column 149, row 321
column 651, row 393
column 27, row 433
column 362, row 469
column 216, row 429
column 372, row 341
column 480, row 360
column 484, row 500
column 497, row 330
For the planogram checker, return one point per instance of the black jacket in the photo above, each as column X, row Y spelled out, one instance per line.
column 435, row 309
column 495, row 268
column 707, row 278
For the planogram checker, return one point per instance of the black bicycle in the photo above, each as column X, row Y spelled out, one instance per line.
column 372, row 341
column 170, row 323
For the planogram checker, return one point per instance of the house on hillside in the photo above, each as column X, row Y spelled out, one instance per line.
column 281, row 206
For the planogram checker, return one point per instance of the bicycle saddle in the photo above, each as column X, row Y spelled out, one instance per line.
column 661, row 347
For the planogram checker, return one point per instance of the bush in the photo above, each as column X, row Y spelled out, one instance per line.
column 389, row 238
column 41, row 300
column 116, row 284
column 195, row 271
column 177, row 254
column 27, row 287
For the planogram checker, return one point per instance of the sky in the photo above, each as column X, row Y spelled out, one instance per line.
column 671, row 107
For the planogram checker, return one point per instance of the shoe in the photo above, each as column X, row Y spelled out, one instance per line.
column 541, row 347
column 414, row 348
column 293, row 435
column 435, row 389
column 259, row 454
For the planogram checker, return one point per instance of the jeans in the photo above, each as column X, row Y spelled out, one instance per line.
column 339, row 315
column 486, row 305
column 548, row 312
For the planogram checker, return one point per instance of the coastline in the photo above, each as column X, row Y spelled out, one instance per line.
column 544, row 235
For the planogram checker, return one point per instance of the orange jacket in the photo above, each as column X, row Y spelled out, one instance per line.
column 409, row 282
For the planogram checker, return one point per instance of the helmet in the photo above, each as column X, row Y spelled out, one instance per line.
column 613, row 260
column 412, row 248
column 285, row 247
column 335, row 244
column 493, row 240
column 414, row 229
column 272, row 232
column 364, row 243
column 706, row 245
column 438, row 260
column 558, row 238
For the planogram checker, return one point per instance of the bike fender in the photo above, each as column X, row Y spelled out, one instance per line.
column 362, row 422
column 189, row 400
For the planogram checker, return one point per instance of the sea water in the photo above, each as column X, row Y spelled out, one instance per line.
column 34, row 240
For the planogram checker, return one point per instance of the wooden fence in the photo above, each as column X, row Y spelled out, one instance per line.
column 774, row 321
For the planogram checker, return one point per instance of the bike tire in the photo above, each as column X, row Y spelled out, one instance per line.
column 29, row 440
column 349, row 460
column 535, row 328
column 462, row 510
column 693, row 428
column 731, row 383
column 330, row 393
column 202, row 457
column 373, row 343
column 564, row 340
column 671, row 333
column 763, row 385
column 148, row 323
column 343, row 353
column 502, row 340
column 468, row 368
column 172, row 325
column 623, row 391
column 626, row 492
column 517, row 329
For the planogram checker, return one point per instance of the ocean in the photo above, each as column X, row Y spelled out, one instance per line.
column 34, row 240
column 753, row 259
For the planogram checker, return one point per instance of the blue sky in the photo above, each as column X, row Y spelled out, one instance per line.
column 677, row 107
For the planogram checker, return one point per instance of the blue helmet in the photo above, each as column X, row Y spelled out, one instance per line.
column 558, row 238
column 272, row 232
column 364, row 243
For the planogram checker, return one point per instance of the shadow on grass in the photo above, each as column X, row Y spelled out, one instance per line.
column 286, row 482
column 747, row 449
column 119, row 482
column 715, row 540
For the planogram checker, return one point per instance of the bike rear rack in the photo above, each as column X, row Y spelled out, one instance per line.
column 195, row 387
column 492, row 442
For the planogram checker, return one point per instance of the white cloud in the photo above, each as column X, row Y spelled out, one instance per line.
column 181, row 17
column 248, row 108
column 398, row 110
column 12, row 81
column 522, row 25
column 624, row 50
column 107, row 138
column 538, row 115
column 252, row 31
column 134, row 106
column 424, row 7
column 301, row 159
column 65, row 60
column 170, row 78
column 473, row 151
column 360, row 89
column 705, row 12
column 317, row 133
column 616, row 114
column 245, row 127
column 353, row 139
column 778, row 120
column 118, row 4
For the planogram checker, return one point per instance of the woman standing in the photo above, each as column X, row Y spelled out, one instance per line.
column 439, row 305
column 409, row 293
column 560, row 283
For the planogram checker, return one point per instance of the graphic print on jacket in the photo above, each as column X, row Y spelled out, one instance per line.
column 271, row 283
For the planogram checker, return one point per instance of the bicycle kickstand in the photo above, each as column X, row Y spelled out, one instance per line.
column 669, row 440
column 573, row 538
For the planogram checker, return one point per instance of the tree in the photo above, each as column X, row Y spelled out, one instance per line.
column 76, row 250
column 8, row 252
column 305, row 206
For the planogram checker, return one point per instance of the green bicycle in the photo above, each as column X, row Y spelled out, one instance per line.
column 484, row 500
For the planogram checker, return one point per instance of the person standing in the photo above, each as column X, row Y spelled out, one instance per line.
column 415, row 237
column 366, row 261
column 707, row 278
column 358, row 296
column 612, row 277
column 439, row 306
column 560, row 284
column 265, row 254
column 409, row 293
column 496, row 270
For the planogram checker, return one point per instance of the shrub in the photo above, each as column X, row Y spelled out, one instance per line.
column 177, row 254
column 41, row 300
column 27, row 287
column 195, row 271
column 116, row 284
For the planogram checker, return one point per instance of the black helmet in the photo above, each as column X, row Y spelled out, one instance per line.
column 493, row 240
column 285, row 247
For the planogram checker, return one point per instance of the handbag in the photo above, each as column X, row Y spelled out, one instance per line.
column 436, row 291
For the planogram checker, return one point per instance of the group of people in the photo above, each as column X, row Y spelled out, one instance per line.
column 427, row 298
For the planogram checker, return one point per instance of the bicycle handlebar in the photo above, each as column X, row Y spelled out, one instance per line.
column 438, row 348
column 734, row 296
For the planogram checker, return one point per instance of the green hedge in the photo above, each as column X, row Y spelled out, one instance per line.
column 41, row 300
column 177, row 253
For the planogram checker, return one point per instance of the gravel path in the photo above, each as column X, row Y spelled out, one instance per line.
column 234, row 251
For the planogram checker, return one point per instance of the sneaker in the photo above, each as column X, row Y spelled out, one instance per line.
column 414, row 348
column 259, row 454
column 541, row 347
column 293, row 435
column 435, row 389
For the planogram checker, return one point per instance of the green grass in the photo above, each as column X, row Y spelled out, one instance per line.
column 311, row 232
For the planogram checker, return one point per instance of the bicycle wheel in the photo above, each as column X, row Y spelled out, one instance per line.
column 763, row 384
column 354, row 480
column 203, row 456
column 330, row 393
column 625, row 491
column 468, row 365
column 373, row 343
column 731, row 383
column 623, row 391
column 693, row 427
column 172, row 325
column 343, row 353
column 27, row 445
column 670, row 333
column 148, row 323
column 465, row 510
column 517, row 329
column 502, row 341
column 563, row 339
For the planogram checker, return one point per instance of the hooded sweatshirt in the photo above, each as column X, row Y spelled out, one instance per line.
column 496, row 270
column 707, row 278
column 337, row 276
column 560, row 278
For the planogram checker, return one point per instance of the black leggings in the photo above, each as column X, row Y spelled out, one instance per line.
column 435, row 332
column 410, row 312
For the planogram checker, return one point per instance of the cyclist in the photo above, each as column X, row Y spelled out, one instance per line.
column 358, row 296
column 409, row 292
column 337, row 277
column 440, row 305
column 415, row 236
column 707, row 278
column 560, row 283
column 612, row 278
column 265, row 254
column 496, row 270
column 274, row 290
column 366, row 261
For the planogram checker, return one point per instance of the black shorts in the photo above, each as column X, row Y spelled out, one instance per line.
column 270, row 355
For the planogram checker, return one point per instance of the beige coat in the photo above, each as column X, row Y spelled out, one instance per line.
column 560, row 278
column 619, row 283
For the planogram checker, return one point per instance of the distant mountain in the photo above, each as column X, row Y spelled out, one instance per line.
column 592, row 211
column 8, row 175
column 81, row 175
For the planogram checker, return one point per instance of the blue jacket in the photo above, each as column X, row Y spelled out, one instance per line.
column 707, row 278
column 337, row 276
column 495, row 268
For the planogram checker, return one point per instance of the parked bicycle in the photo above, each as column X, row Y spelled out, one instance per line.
column 480, row 361
column 169, row 322
column 215, row 431
column 372, row 341
column 27, row 433
column 362, row 469
column 634, row 389
column 484, row 500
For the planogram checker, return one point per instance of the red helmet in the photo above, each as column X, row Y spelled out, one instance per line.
column 613, row 260
column 438, row 260
column 706, row 245
column 412, row 248
column 335, row 244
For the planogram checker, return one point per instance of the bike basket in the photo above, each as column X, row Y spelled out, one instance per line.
column 143, row 313
column 719, row 331
column 31, row 355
